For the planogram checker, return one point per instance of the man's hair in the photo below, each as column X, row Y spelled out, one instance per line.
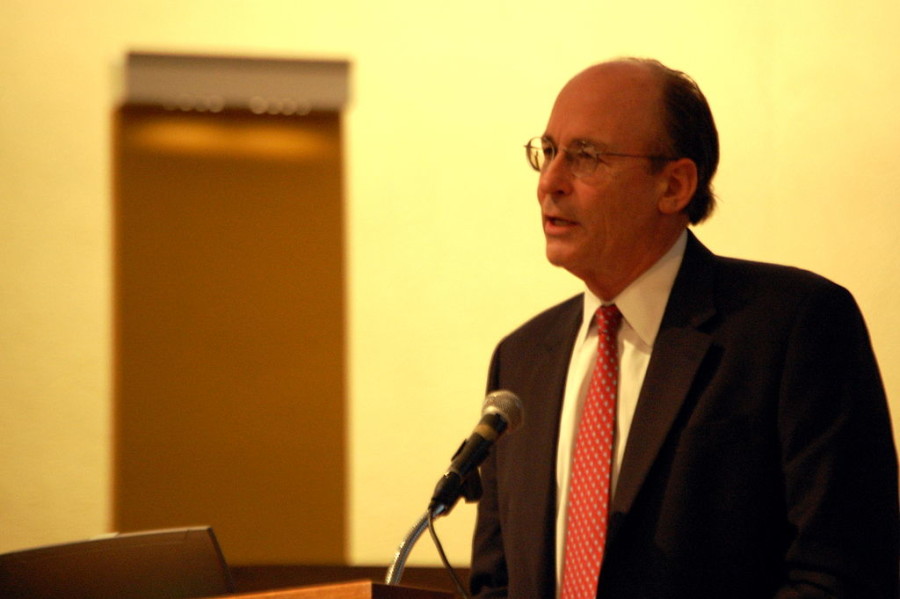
column 691, row 131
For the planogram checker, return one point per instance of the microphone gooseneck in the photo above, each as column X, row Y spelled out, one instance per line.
column 501, row 412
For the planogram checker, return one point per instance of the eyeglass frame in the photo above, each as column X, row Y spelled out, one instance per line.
column 531, row 150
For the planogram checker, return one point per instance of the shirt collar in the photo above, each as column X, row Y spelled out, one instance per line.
column 643, row 302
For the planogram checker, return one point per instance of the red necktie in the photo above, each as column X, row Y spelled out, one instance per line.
column 589, row 484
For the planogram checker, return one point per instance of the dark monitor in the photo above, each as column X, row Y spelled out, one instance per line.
column 159, row 564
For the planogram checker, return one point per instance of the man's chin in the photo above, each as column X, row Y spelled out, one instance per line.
column 562, row 259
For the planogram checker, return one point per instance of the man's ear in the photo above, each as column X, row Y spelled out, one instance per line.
column 681, row 182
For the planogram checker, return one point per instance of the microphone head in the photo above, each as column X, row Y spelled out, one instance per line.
column 507, row 405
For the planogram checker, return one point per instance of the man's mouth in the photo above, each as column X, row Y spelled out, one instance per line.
column 558, row 222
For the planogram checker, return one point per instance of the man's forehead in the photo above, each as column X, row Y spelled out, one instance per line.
column 604, row 100
column 617, row 81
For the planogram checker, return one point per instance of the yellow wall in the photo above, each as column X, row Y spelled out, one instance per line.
column 445, row 253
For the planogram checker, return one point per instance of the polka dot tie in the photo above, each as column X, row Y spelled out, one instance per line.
column 589, row 485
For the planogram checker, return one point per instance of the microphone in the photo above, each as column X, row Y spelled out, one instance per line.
column 500, row 412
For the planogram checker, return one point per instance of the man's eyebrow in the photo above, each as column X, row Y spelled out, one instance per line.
column 594, row 144
column 579, row 141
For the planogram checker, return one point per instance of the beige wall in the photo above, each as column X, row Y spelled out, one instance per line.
column 445, row 254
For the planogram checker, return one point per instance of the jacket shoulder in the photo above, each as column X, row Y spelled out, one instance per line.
column 564, row 314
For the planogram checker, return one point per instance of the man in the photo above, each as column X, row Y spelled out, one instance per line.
column 751, row 455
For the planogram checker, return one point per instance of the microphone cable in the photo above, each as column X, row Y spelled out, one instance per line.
column 460, row 589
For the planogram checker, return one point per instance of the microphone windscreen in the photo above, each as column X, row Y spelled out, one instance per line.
column 505, row 403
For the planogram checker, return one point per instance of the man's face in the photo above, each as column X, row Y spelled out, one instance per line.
column 603, row 227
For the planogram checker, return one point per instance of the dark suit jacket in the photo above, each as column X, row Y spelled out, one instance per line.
column 760, row 462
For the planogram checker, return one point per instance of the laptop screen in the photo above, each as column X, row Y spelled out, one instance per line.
column 159, row 564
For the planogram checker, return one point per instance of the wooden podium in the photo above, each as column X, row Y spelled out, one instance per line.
column 362, row 589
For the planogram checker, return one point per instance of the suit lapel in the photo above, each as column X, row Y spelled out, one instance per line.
column 679, row 349
column 550, row 380
column 531, row 473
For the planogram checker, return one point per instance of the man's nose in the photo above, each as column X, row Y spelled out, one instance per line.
column 556, row 176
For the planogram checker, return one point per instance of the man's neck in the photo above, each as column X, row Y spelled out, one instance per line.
column 607, row 284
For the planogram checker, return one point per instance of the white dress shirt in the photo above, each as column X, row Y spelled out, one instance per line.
column 642, row 305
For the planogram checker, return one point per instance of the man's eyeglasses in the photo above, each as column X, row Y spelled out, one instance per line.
column 582, row 157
